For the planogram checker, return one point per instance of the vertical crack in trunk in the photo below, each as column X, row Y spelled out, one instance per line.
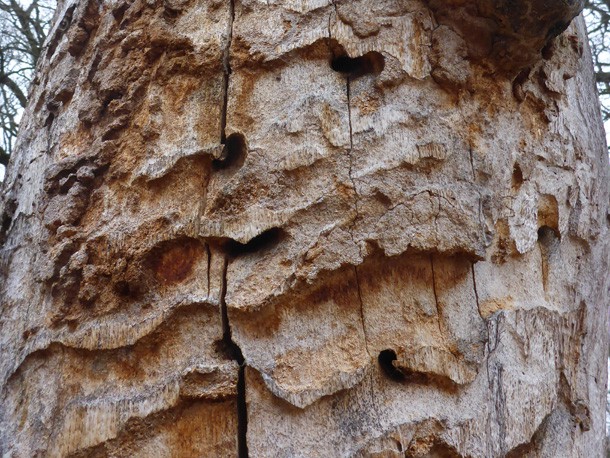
column 353, row 182
column 237, row 355
column 480, row 215
column 366, row 345
column 474, row 175
column 201, row 209
column 209, row 254
column 476, row 292
column 226, row 64
column 359, row 290
column 474, row 180
column 442, row 337
column 351, row 136
column 438, row 310
column 353, row 223
column 351, row 164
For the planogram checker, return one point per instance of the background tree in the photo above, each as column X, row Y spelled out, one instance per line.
column 23, row 29
column 597, row 15
column 307, row 228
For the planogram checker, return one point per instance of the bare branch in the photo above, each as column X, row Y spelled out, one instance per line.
column 23, row 28
column 4, row 157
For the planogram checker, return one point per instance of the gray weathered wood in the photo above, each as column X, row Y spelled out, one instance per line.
column 307, row 228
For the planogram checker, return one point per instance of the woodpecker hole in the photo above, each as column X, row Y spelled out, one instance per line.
column 386, row 359
column 547, row 235
column 517, row 179
column 372, row 62
column 233, row 154
column 261, row 242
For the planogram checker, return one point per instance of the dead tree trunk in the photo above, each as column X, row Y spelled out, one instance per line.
column 307, row 228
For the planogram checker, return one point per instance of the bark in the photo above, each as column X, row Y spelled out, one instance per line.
column 307, row 228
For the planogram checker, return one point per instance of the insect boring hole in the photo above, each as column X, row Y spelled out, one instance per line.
column 386, row 360
column 547, row 235
column 233, row 154
column 517, row 178
column 371, row 63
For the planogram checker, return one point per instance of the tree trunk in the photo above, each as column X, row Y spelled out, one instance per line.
column 307, row 228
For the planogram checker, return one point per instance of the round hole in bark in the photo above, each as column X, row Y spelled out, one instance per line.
column 399, row 446
column 547, row 235
column 171, row 13
column 119, row 11
column 122, row 288
column 49, row 120
column 517, row 180
column 372, row 62
column 233, row 154
column 386, row 359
